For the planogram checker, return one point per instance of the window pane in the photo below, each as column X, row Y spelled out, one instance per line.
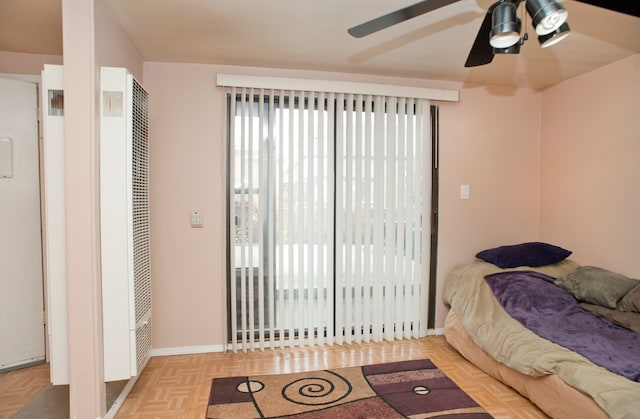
column 326, row 210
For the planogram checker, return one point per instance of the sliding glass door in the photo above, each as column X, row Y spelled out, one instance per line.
column 325, row 210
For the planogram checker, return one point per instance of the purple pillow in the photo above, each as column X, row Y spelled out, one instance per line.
column 525, row 254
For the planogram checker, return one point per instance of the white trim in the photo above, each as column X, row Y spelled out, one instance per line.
column 279, row 83
column 192, row 350
column 436, row 332
column 54, row 233
column 187, row 350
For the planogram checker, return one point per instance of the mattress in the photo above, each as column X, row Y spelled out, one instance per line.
column 511, row 345
column 552, row 395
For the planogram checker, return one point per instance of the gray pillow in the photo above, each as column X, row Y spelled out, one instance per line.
column 631, row 301
column 597, row 285
column 625, row 319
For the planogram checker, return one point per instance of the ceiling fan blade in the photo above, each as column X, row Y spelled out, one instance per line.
column 628, row 7
column 398, row 16
column 481, row 52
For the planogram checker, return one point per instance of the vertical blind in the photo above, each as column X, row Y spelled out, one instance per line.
column 326, row 203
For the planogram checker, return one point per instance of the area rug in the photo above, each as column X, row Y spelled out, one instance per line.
column 405, row 389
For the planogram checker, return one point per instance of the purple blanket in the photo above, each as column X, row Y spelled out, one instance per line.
column 554, row 314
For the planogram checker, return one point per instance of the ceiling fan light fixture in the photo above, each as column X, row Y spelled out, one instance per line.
column 554, row 37
column 513, row 49
column 505, row 26
column 547, row 15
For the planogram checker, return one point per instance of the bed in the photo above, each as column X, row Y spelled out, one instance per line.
column 562, row 382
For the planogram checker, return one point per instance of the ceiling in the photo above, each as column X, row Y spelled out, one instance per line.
column 307, row 34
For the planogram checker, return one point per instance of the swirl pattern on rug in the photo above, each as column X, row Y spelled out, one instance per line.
column 406, row 389
column 317, row 390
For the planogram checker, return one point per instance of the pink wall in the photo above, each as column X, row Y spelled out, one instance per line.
column 532, row 161
column 488, row 141
column 86, row 394
column 590, row 142
column 187, row 172
column 113, row 47
column 90, row 39
column 19, row 63
column 497, row 157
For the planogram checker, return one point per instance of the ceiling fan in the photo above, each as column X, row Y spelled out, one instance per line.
column 500, row 30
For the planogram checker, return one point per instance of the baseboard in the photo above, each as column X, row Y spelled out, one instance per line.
column 191, row 350
column 187, row 350
column 22, row 364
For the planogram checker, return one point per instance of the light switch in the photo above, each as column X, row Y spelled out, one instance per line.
column 196, row 219
column 464, row 191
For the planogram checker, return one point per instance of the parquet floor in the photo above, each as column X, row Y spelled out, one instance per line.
column 177, row 387
column 19, row 386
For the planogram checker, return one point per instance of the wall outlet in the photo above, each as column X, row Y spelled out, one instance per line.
column 196, row 219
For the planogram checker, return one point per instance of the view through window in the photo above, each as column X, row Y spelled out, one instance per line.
column 325, row 209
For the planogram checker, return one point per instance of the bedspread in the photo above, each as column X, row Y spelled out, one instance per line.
column 554, row 314
column 510, row 343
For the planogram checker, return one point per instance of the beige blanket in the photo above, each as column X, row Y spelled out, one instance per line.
column 510, row 343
